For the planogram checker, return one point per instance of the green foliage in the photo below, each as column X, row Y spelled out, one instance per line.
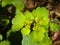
column 40, row 21
column 40, row 12
column 18, row 21
column 38, row 18
column 41, row 16
column 27, row 40
column 5, row 43
column 19, row 17
column 5, row 2
column 54, row 27
column 8, row 33
column 1, row 37
column 17, row 3
column 37, row 35
column 4, row 22
column 46, row 40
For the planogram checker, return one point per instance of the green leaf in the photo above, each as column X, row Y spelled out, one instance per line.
column 43, row 11
column 16, row 27
column 1, row 37
column 4, row 43
column 36, row 13
column 38, row 35
column 7, row 21
column 54, row 27
column 19, row 4
column 40, row 12
column 4, row 22
column 41, row 33
column 5, row 2
column 19, row 18
column 27, row 41
column 18, row 21
column 34, row 36
column 8, row 33
column 45, row 41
